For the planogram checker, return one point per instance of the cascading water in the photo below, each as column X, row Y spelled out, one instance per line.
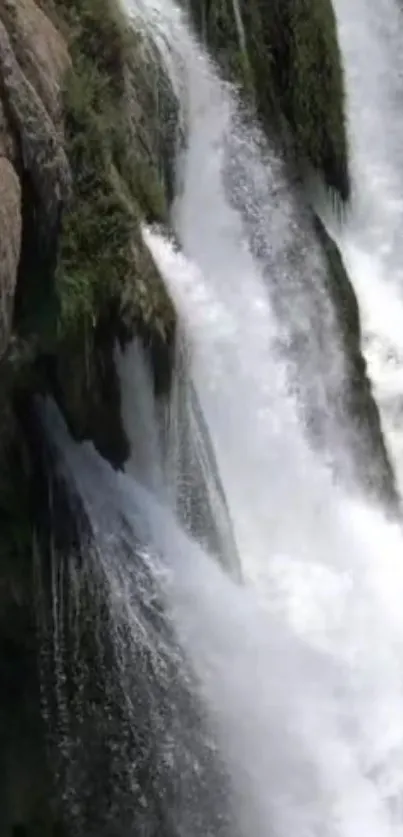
column 255, row 224
column 371, row 241
column 300, row 677
column 192, row 482
column 133, row 754
column 271, row 706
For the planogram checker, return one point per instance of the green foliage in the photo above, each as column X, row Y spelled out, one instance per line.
column 102, row 282
column 115, row 185
column 314, row 90
column 291, row 59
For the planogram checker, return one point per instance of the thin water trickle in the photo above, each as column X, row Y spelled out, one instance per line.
column 185, row 472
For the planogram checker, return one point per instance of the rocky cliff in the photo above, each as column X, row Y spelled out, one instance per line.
column 83, row 161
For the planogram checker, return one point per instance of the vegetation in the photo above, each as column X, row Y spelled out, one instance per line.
column 288, row 56
column 116, row 183
column 103, row 283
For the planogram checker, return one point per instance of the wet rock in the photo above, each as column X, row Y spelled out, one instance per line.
column 40, row 50
column 42, row 154
column 286, row 56
column 10, row 244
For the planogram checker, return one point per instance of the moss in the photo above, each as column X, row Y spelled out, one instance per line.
column 115, row 184
column 294, row 66
column 26, row 791
column 119, row 125
column 314, row 91
column 120, row 118
column 106, row 283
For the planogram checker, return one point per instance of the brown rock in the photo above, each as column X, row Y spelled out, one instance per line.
column 39, row 49
column 42, row 152
column 10, row 243
column 8, row 145
column 35, row 174
column 42, row 159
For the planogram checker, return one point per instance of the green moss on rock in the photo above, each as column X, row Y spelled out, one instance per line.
column 117, row 182
column 287, row 53
column 120, row 151
column 98, row 283
column 103, row 284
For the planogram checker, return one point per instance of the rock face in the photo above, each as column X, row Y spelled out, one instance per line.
column 80, row 166
column 119, row 158
column 34, row 184
column 85, row 161
column 33, row 59
column 88, row 124
column 87, row 131
column 285, row 54
column 10, row 244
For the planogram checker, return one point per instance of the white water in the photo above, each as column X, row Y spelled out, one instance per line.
column 301, row 668
column 183, row 472
column 372, row 242
column 302, row 677
column 234, row 193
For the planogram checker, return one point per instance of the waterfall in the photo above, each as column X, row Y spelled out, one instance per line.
column 257, row 227
column 192, row 697
column 186, row 465
column 371, row 241
column 299, row 671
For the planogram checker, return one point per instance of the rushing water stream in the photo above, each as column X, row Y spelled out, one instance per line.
column 294, row 637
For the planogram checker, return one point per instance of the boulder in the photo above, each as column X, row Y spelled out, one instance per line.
column 40, row 50
column 33, row 60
